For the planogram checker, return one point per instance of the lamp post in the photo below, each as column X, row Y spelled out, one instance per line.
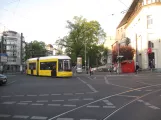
column 85, row 55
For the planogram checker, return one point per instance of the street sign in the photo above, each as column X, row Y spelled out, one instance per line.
column 3, row 57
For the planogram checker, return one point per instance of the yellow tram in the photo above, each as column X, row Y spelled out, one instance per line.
column 43, row 66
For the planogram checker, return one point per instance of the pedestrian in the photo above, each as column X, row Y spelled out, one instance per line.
column 137, row 68
column 90, row 71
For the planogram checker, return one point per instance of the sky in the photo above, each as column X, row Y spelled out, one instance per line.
column 45, row 20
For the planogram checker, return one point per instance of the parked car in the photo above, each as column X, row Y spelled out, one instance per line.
column 3, row 79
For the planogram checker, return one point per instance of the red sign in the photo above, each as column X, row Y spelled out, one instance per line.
column 149, row 50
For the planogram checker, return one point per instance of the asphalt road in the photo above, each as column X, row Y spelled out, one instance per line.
column 82, row 97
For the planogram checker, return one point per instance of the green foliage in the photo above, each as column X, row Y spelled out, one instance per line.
column 35, row 49
column 81, row 33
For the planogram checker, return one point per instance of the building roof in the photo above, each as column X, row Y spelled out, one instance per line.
column 49, row 45
column 128, row 14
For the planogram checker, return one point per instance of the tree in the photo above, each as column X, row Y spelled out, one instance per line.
column 126, row 51
column 35, row 49
column 81, row 33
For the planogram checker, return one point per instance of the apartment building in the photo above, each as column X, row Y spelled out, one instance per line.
column 142, row 24
column 14, row 44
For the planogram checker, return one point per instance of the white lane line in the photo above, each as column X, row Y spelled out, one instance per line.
column 90, row 106
column 26, row 101
column 90, row 92
column 79, row 93
column 19, row 95
column 55, row 94
column 37, row 104
column 9, row 103
column 20, row 116
column 90, row 78
column 144, row 83
column 107, row 102
column 5, row 96
column 130, row 103
column 146, row 103
column 109, row 107
column 92, row 88
column 140, row 100
column 53, row 104
column 11, row 82
column 68, row 94
column 154, row 107
column 42, row 101
column 31, row 95
column 88, row 99
column 127, row 96
column 57, row 100
column 82, row 80
column 69, row 105
column 38, row 118
column 44, row 95
column 4, row 115
column 22, row 103
column 73, row 99
column 123, row 86
column 64, row 119
column 106, row 81
column 64, row 113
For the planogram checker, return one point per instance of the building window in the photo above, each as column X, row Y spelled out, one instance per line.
column 149, row 21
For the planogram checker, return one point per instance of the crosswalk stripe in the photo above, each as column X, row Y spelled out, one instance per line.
column 64, row 119
column 38, row 118
column 4, row 115
column 20, row 116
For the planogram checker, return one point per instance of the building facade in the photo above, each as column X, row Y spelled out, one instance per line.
column 15, row 49
column 142, row 24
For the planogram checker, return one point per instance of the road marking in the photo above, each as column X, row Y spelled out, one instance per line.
column 73, row 99
column 5, row 96
column 79, row 93
column 57, row 100
column 154, row 107
column 42, row 101
column 53, row 104
column 82, row 80
column 26, row 101
column 69, row 105
column 64, row 119
column 109, row 107
column 9, row 103
column 44, row 95
column 106, row 81
column 55, row 94
column 19, row 95
column 144, row 83
column 20, row 116
column 90, row 92
column 90, row 106
column 92, row 88
column 90, row 78
column 38, row 118
column 22, row 103
column 36, row 104
column 31, row 95
column 107, row 102
column 11, row 82
column 146, row 103
column 4, row 115
column 64, row 113
column 140, row 100
column 68, row 94
column 88, row 99
column 127, row 96
column 130, row 103
column 122, row 86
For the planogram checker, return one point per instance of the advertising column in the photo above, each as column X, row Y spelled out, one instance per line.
column 79, row 64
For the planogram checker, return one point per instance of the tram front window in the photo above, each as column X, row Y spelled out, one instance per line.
column 64, row 65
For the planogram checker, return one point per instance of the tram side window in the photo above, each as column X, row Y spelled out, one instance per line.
column 60, row 65
column 32, row 66
column 47, row 65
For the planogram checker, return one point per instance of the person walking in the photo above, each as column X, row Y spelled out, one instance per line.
column 90, row 71
column 137, row 68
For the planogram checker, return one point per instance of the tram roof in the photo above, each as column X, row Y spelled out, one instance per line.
column 51, row 57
